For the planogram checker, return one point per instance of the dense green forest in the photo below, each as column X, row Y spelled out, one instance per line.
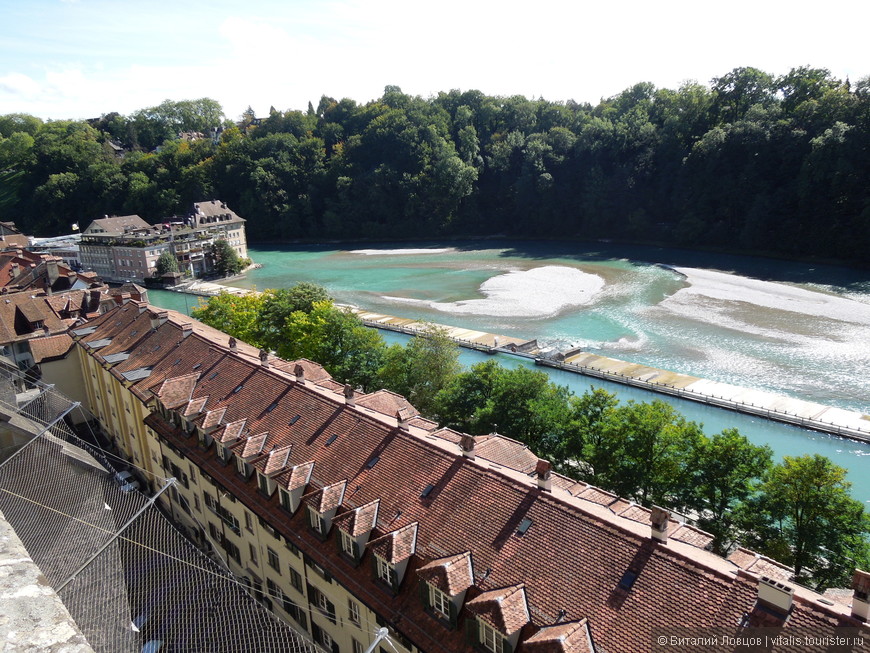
column 754, row 162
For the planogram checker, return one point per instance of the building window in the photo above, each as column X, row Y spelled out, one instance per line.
column 385, row 570
column 490, row 638
column 353, row 611
column 249, row 522
column 439, row 602
column 196, row 503
column 263, row 482
column 273, row 560
column 347, row 544
column 357, row 646
column 295, row 579
column 314, row 521
column 284, row 497
column 252, row 550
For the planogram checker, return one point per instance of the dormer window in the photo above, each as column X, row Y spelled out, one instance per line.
column 222, row 453
column 315, row 521
column 490, row 639
column 284, row 498
column 243, row 468
column 439, row 602
column 347, row 544
column 385, row 571
column 263, row 484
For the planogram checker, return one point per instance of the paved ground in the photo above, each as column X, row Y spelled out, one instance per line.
column 32, row 616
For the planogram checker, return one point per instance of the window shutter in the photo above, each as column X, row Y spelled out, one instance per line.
column 339, row 542
column 454, row 614
column 394, row 579
column 357, row 554
column 506, row 647
column 472, row 632
column 335, row 648
column 312, row 593
column 323, row 527
column 374, row 561
column 423, row 586
column 330, row 608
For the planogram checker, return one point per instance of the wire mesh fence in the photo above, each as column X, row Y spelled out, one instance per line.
column 130, row 580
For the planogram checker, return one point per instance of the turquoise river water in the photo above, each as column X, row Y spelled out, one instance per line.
column 794, row 329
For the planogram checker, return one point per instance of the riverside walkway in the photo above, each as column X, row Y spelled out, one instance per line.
column 807, row 414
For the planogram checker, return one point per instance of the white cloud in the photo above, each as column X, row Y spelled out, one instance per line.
column 21, row 86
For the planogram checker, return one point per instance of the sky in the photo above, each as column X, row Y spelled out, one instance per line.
column 62, row 59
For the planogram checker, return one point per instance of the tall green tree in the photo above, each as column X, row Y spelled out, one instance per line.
column 278, row 305
column 724, row 470
column 226, row 260
column 235, row 315
column 166, row 263
column 337, row 339
column 421, row 368
column 804, row 516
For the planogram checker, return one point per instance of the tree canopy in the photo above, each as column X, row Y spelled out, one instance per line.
column 751, row 162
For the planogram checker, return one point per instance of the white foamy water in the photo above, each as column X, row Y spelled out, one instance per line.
column 401, row 252
column 539, row 292
column 731, row 288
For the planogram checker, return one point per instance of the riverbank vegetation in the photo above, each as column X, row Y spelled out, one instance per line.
column 798, row 511
column 750, row 162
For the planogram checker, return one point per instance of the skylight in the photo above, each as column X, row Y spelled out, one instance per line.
column 272, row 406
column 238, row 388
column 212, row 375
column 197, row 366
column 332, row 438
column 627, row 580
column 371, row 463
column 524, row 526
column 296, row 419
column 427, row 491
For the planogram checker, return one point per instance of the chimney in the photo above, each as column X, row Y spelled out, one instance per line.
column 158, row 318
column 466, row 444
column 775, row 595
column 403, row 416
column 264, row 358
column 142, row 307
column 51, row 271
column 348, row 395
column 659, row 519
column 542, row 470
column 232, row 344
column 186, row 329
column 299, row 371
column 861, row 598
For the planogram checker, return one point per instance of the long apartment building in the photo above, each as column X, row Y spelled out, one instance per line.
column 347, row 512
column 126, row 248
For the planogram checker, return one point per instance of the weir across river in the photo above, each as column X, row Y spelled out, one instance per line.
column 807, row 414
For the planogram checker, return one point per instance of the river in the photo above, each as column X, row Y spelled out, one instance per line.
column 794, row 329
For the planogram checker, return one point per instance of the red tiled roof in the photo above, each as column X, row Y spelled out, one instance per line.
column 451, row 575
column 231, row 432
column 570, row 560
column 250, row 447
column 387, row 403
column 327, row 498
column 760, row 565
column 195, row 407
column 276, row 461
column 505, row 608
column 359, row 520
column 51, row 347
column 176, row 392
column 399, row 545
column 570, row 637
column 297, row 477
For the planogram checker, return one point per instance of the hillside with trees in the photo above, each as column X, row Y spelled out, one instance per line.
column 751, row 162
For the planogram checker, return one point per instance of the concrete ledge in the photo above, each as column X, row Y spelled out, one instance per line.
column 32, row 616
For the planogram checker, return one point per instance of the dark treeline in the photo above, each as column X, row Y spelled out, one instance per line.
column 753, row 162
